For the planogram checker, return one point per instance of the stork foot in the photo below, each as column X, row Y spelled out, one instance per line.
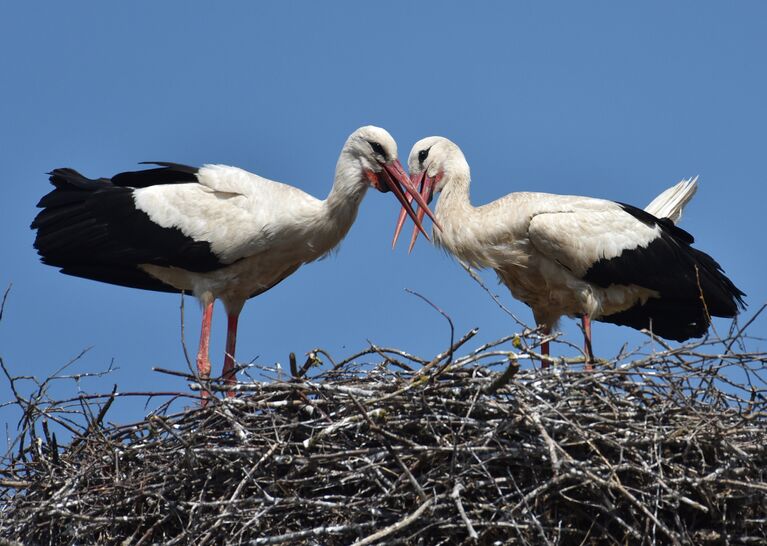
column 203, row 360
column 586, row 321
column 229, row 374
column 203, row 373
column 545, row 352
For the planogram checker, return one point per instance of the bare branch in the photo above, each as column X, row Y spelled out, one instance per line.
column 665, row 443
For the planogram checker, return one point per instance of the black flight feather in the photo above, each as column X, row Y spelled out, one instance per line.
column 93, row 229
column 683, row 276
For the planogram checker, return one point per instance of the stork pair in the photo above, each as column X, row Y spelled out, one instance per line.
column 220, row 232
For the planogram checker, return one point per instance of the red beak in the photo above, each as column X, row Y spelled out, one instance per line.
column 425, row 184
column 394, row 175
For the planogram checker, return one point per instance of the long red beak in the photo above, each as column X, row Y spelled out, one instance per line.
column 394, row 175
column 425, row 184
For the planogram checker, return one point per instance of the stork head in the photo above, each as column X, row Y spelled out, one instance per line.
column 433, row 157
column 433, row 163
column 374, row 151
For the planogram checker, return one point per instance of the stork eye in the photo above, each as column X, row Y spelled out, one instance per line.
column 422, row 155
column 377, row 148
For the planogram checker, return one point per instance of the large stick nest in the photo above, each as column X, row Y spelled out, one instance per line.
column 659, row 446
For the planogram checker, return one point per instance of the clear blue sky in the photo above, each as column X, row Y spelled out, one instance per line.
column 596, row 98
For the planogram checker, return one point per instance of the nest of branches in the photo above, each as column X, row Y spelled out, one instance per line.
column 663, row 445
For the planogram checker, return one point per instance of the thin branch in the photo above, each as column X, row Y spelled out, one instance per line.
column 401, row 524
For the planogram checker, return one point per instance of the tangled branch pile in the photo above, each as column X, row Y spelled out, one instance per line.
column 388, row 448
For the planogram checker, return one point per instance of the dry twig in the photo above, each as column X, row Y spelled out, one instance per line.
column 664, row 447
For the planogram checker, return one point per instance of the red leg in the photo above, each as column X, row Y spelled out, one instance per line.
column 586, row 320
column 231, row 342
column 203, row 358
column 545, row 349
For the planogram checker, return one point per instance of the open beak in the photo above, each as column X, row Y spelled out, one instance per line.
column 425, row 185
column 393, row 175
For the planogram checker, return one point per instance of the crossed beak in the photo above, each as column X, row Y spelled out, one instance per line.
column 393, row 175
column 424, row 184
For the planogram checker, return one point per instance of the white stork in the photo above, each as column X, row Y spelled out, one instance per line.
column 218, row 232
column 578, row 256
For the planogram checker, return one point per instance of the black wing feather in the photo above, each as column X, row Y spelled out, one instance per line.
column 684, row 277
column 92, row 229
column 167, row 173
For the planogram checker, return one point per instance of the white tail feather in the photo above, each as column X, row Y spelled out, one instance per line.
column 670, row 203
